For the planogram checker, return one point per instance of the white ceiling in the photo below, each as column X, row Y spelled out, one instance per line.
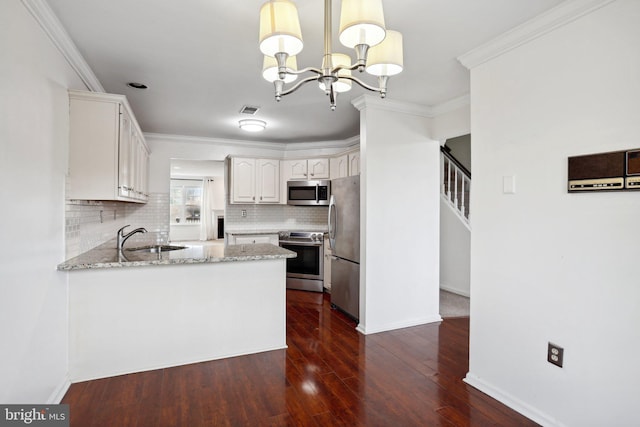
column 201, row 61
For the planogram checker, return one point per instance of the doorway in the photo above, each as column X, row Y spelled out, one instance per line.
column 196, row 200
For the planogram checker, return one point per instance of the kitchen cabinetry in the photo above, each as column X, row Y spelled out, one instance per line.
column 108, row 156
column 339, row 166
column 306, row 169
column 354, row 163
column 251, row 239
column 255, row 180
column 303, row 169
column 347, row 164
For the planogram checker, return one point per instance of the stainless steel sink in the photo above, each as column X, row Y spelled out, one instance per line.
column 156, row 248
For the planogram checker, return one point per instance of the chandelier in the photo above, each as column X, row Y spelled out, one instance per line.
column 378, row 51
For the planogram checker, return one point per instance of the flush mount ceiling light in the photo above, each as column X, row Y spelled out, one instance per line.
column 252, row 125
column 361, row 28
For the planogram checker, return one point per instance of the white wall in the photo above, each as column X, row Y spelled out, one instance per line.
column 400, row 177
column 33, row 161
column 165, row 148
column 452, row 120
column 455, row 251
column 547, row 265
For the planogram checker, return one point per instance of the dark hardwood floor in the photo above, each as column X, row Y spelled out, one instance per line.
column 330, row 375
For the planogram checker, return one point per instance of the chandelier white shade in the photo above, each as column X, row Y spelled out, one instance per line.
column 386, row 59
column 361, row 22
column 362, row 28
column 280, row 28
column 342, row 84
column 270, row 69
column 252, row 125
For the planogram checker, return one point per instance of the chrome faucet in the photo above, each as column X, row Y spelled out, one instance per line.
column 123, row 237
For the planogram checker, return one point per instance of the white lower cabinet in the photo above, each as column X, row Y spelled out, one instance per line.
column 251, row 239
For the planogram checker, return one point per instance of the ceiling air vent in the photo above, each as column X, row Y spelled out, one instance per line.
column 249, row 109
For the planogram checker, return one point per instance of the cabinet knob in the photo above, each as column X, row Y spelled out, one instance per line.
column 254, row 197
column 260, row 197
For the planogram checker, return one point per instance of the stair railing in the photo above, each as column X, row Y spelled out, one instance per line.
column 455, row 186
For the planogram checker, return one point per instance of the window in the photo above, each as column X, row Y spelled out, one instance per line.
column 186, row 201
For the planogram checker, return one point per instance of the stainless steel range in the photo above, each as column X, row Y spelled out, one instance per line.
column 306, row 271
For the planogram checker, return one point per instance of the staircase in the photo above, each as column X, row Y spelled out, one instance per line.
column 455, row 186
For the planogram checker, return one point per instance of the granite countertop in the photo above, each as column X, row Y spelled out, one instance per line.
column 107, row 256
column 272, row 230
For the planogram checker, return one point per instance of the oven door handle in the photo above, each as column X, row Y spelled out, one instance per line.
column 299, row 243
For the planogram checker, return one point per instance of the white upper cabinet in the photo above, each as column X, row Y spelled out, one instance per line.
column 318, row 168
column 339, row 166
column 295, row 169
column 255, row 180
column 306, row 169
column 354, row 163
column 268, row 181
column 108, row 156
column 347, row 164
column 243, row 180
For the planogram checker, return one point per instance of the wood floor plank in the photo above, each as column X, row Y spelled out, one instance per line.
column 330, row 375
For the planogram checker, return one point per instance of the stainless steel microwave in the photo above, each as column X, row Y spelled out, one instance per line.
column 309, row 193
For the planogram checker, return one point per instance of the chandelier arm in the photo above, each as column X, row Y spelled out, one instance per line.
column 353, row 67
column 297, row 86
column 363, row 84
column 304, row 70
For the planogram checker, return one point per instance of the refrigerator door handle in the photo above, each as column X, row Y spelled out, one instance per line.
column 333, row 218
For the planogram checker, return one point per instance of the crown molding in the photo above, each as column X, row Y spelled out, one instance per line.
column 542, row 24
column 366, row 101
column 216, row 141
column 53, row 28
column 264, row 145
column 344, row 144
column 430, row 112
column 451, row 105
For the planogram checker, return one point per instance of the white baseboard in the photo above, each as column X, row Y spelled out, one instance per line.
column 512, row 402
column 363, row 329
column 172, row 364
column 59, row 392
column 455, row 291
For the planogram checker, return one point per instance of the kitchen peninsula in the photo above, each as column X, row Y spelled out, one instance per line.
column 139, row 311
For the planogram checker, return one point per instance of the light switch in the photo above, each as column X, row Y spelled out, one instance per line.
column 509, row 184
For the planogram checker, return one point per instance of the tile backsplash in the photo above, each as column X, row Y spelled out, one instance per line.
column 276, row 217
column 91, row 223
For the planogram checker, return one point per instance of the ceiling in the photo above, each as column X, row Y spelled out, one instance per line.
column 201, row 62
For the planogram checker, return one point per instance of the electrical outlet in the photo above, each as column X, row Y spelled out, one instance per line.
column 244, row 213
column 555, row 354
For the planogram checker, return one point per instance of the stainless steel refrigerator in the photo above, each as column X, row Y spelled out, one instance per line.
column 344, row 240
